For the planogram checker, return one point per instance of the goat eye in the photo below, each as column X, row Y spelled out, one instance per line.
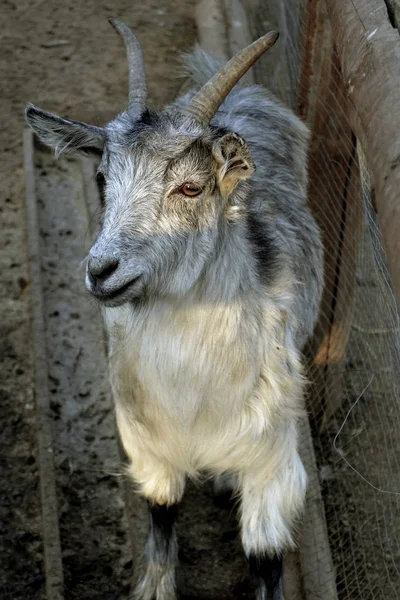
column 190, row 189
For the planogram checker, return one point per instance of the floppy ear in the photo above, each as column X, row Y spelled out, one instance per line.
column 64, row 135
column 234, row 162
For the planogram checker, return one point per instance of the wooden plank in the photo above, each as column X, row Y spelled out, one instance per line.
column 369, row 47
column 336, row 201
column 238, row 33
column 84, row 444
column 51, row 534
column 211, row 27
column 319, row 576
column 279, row 69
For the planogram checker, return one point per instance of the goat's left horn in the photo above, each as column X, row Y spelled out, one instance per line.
column 137, row 77
column 209, row 98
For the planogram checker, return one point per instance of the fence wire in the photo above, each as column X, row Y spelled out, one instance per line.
column 354, row 359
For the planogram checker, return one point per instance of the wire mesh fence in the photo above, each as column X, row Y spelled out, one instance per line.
column 354, row 358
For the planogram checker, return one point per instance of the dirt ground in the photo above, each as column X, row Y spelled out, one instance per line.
column 65, row 57
column 83, row 76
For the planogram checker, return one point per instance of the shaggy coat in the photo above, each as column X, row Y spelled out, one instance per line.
column 208, row 300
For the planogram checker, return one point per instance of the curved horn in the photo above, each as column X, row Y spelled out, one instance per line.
column 137, row 77
column 209, row 98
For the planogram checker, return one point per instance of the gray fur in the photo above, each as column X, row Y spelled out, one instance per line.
column 158, row 579
column 64, row 135
column 209, row 300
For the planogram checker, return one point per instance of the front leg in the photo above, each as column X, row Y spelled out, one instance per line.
column 272, row 498
column 163, row 488
column 162, row 484
column 269, row 574
column 161, row 555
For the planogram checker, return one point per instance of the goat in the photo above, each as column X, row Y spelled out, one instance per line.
column 209, row 273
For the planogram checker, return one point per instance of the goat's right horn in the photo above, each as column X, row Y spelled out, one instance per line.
column 209, row 98
column 137, row 77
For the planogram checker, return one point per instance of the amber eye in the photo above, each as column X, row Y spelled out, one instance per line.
column 190, row 189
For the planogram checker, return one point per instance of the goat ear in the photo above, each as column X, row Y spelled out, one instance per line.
column 64, row 135
column 234, row 162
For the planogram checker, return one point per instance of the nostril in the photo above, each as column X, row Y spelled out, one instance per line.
column 101, row 268
column 108, row 270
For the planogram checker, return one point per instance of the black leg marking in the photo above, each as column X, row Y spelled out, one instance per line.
column 162, row 534
column 158, row 580
column 269, row 572
column 224, row 491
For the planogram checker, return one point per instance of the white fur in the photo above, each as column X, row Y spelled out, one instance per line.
column 213, row 387
column 217, row 296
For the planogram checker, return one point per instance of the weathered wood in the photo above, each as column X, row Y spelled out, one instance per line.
column 336, row 201
column 211, row 27
column 369, row 50
column 279, row 69
column 82, row 417
column 51, row 533
column 238, row 32
column 319, row 577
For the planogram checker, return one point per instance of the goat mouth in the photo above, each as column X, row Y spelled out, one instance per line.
column 115, row 297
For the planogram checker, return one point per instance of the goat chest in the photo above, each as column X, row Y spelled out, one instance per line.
column 191, row 382
column 184, row 359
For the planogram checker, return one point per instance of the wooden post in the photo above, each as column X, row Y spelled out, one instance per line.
column 211, row 26
column 369, row 49
column 53, row 568
column 336, row 201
